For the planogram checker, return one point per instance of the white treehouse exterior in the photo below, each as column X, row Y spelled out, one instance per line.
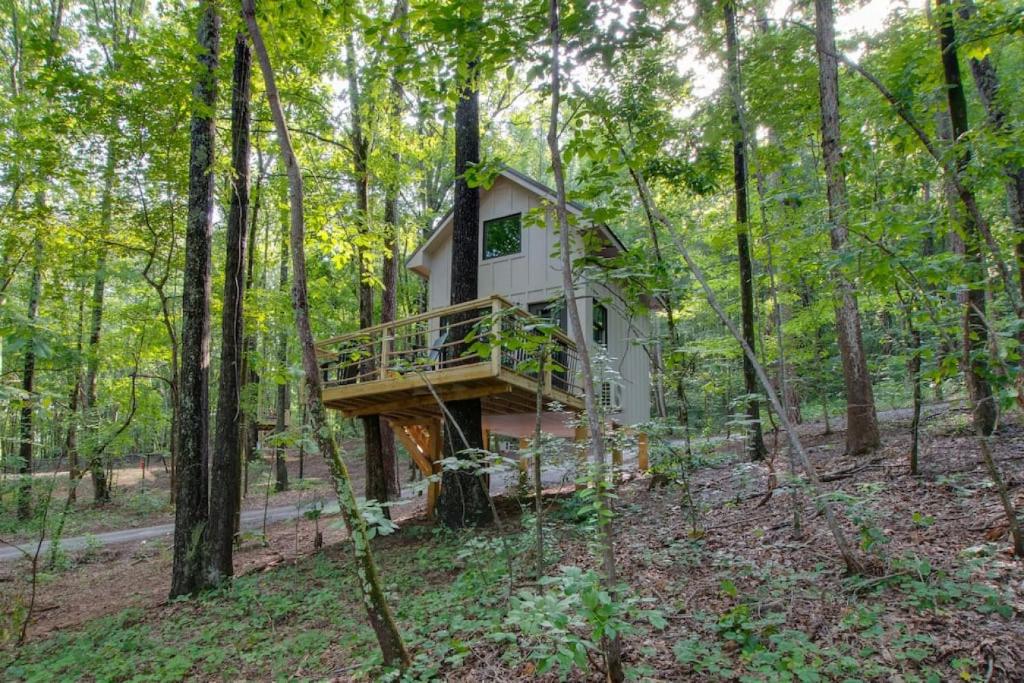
column 404, row 370
column 528, row 272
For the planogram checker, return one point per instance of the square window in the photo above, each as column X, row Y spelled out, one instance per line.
column 503, row 236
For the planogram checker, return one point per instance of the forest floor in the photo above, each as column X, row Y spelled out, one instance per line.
column 140, row 497
column 718, row 585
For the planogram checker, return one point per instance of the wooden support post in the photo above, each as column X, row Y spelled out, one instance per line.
column 524, row 460
column 643, row 459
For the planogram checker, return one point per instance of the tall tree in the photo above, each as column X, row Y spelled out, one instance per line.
column 861, row 421
column 392, row 234
column 464, row 500
column 281, row 406
column 755, row 437
column 610, row 642
column 226, row 460
column 28, row 378
column 383, row 623
column 975, row 326
column 190, row 513
column 993, row 98
column 101, row 489
column 373, row 447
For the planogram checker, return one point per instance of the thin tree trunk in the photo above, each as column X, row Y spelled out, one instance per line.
column 71, row 441
column 390, row 640
column 610, row 643
column 28, row 376
column 226, row 460
column 538, row 487
column 191, row 514
column 463, row 500
column 373, row 430
column 986, row 80
column 249, row 373
column 281, row 408
column 817, row 494
column 100, row 488
column 390, row 261
column 975, row 330
column 755, row 438
column 861, row 421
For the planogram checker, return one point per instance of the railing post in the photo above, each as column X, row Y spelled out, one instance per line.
column 496, row 336
column 385, row 350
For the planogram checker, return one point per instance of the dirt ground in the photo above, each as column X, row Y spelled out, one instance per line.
column 141, row 495
column 96, row 583
column 947, row 513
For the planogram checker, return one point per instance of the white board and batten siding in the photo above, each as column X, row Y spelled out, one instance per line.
column 534, row 275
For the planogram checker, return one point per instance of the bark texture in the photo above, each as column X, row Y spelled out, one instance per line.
column 26, row 426
column 191, row 514
column 986, row 80
column 100, row 486
column 282, row 402
column 861, row 421
column 226, row 461
column 611, row 645
column 373, row 429
column 383, row 623
column 975, row 330
column 464, row 500
column 755, row 438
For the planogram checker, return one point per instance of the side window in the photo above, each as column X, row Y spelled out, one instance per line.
column 503, row 236
column 600, row 315
column 552, row 310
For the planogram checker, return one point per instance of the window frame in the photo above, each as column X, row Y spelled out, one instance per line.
column 593, row 324
column 483, row 236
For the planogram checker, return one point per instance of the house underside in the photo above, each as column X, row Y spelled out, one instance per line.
column 405, row 371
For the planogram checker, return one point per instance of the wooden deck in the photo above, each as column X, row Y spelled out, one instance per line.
column 479, row 349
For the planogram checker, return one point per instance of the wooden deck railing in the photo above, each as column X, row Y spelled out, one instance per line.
column 472, row 333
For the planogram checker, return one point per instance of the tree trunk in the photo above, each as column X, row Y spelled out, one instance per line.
column 190, row 514
column 861, row 421
column 388, row 313
column 390, row 640
column 464, row 500
column 986, row 80
column 226, row 460
column 249, row 373
column 975, row 330
column 28, row 376
column 610, row 643
column 373, row 429
column 100, row 487
column 390, row 261
column 755, row 438
column 74, row 400
column 280, row 464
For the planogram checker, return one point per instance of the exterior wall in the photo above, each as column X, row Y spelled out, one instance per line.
column 535, row 275
column 628, row 365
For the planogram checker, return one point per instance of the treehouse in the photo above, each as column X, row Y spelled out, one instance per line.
column 486, row 348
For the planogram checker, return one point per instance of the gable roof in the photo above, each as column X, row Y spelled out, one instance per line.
column 530, row 184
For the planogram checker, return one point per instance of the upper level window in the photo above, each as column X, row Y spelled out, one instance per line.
column 600, row 324
column 503, row 236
